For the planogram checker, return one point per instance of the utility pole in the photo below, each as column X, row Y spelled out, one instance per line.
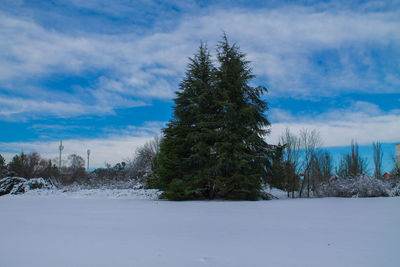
column 61, row 147
column 88, row 154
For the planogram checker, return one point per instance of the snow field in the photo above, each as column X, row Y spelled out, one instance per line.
column 149, row 194
column 130, row 232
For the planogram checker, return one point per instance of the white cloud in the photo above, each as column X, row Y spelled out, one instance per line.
column 119, row 145
column 281, row 42
column 363, row 121
column 21, row 109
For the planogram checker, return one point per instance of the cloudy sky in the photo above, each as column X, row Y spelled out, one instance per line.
column 102, row 74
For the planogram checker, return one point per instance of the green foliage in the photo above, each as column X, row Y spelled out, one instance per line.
column 3, row 167
column 278, row 176
column 185, row 151
column 241, row 149
column 2, row 162
column 214, row 146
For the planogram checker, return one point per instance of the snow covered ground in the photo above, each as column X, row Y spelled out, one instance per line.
column 104, row 193
column 96, row 230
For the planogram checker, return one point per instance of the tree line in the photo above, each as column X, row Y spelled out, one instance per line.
column 134, row 171
column 301, row 167
column 292, row 170
column 215, row 145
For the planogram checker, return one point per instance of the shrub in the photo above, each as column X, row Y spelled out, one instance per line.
column 359, row 186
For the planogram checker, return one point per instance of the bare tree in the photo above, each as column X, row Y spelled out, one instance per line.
column 326, row 165
column 352, row 165
column 291, row 159
column 310, row 141
column 41, row 167
column 377, row 155
column 303, row 157
column 25, row 165
column 145, row 160
column 292, row 147
column 321, row 169
column 76, row 162
column 75, row 170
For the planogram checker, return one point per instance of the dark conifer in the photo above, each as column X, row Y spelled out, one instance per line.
column 214, row 146
column 185, row 160
column 241, row 149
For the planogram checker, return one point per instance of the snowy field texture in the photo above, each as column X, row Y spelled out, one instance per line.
column 101, row 231
column 104, row 193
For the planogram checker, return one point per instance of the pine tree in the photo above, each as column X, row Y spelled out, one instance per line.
column 185, row 159
column 243, row 154
column 214, row 146
column 3, row 166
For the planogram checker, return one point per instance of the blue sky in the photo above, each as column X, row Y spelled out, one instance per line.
column 102, row 74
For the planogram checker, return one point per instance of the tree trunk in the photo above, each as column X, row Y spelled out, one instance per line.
column 302, row 186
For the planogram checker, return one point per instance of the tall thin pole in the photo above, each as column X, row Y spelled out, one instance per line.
column 61, row 147
column 88, row 154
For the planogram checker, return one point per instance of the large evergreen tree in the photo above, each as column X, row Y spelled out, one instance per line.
column 185, row 167
column 214, row 145
column 241, row 149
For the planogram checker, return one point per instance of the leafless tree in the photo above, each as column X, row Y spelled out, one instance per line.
column 144, row 162
column 76, row 162
column 292, row 147
column 326, row 165
column 24, row 165
column 310, row 141
column 291, row 159
column 352, row 164
column 75, row 169
column 321, row 169
column 303, row 157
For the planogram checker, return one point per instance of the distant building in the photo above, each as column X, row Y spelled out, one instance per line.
column 398, row 155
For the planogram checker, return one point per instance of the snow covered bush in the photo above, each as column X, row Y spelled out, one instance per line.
column 394, row 183
column 7, row 184
column 359, row 186
column 395, row 191
column 19, row 185
column 142, row 167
